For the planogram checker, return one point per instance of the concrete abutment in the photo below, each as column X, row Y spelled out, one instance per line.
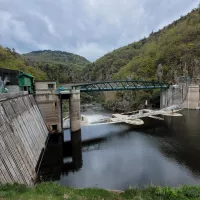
column 74, row 109
column 185, row 96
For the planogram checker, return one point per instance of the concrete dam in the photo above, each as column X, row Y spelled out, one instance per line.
column 23, row 135
column 27, row 119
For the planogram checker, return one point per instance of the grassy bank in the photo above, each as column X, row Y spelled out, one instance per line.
column 54, row 191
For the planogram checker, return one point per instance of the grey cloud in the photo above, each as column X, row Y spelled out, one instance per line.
column 87, row 27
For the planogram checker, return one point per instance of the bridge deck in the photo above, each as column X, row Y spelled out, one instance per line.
column 117, row 85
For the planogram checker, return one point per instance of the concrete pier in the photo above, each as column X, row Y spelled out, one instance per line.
column 74, row 108
column 76, row 149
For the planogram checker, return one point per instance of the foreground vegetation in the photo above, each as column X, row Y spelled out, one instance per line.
column 55, row 191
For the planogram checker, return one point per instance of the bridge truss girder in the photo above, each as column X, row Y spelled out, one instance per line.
column 120, row 85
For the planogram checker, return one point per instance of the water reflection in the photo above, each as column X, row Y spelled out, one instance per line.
column 184, row 143
column 117, row 156
column 56, row 160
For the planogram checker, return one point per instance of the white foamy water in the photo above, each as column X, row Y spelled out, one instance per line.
column 95, row 114
column 96, row 118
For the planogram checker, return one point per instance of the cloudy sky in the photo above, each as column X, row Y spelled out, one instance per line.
column 90, row 28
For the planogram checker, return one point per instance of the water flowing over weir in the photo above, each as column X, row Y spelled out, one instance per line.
column 23, row 135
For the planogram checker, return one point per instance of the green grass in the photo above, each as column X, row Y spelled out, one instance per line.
column 57, row 192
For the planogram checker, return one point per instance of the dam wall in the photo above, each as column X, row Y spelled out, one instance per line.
column 171, row 96
column 49, row 104
column 185, row 96
column 110, row 95
column 192, row 100
column 23, row 136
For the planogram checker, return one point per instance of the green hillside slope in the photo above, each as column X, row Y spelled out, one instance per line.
column 59, row 65
column 9, row 59
column 176, row 47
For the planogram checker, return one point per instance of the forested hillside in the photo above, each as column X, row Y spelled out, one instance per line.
column 9, row 59
column 176, row 47
column 60, row 66
column 54, row 65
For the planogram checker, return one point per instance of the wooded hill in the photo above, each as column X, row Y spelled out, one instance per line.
column 59, row 65
column 176, row 47
column 10, row 59
column 54, row 65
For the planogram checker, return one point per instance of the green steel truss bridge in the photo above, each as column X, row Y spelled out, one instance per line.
column 116, row 86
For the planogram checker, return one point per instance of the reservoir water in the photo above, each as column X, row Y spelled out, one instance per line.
column 120, row 156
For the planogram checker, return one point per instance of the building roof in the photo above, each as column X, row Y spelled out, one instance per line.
column 10, row 71
column 25, row 74
column 41, row 81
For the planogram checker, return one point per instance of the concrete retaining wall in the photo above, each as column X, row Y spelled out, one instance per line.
column 49, row 105
column 44, row 85
column 187, row 97
column 171, row 96
column 192, row 100
column 13, row 88
column 23, row 134
column 110, row 96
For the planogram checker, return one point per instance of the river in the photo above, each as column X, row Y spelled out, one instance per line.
column 120, row 156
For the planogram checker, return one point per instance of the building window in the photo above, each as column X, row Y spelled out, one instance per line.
column 50, row 86
column 54, row 127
